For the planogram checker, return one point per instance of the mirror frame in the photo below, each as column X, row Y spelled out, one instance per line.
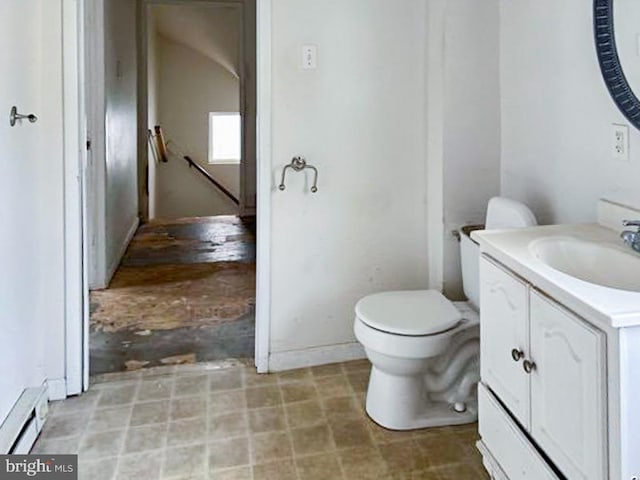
column 612, row 72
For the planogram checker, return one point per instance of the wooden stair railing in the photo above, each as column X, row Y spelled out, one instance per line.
column 161, row 152
column 208, row 176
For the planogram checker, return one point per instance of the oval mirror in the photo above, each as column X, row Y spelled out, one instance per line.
column 617, row 36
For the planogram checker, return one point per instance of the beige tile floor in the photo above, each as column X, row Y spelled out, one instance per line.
column 225, row 422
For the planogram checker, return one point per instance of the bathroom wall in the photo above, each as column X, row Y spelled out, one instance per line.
column 557, row 114
column 471, row 119
column 463, row 128
column 190, row 86
column 360, row 119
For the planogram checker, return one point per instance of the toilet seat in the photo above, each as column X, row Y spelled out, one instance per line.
column 411, row 313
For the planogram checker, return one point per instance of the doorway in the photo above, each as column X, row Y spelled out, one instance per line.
column 182, row 287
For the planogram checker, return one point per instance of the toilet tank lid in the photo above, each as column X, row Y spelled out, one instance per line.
column 414, row 312
column 506, row 213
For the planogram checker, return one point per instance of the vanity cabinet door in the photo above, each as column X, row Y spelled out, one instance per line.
column 504, row 310
column 568, row 410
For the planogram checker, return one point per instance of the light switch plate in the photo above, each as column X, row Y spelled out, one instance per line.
column 309, row 57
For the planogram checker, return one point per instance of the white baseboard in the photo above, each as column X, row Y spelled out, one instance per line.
column 111, row 270
column 310, row 357
column 57, row 389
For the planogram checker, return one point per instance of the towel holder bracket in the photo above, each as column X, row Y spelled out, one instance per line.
column 298, row 164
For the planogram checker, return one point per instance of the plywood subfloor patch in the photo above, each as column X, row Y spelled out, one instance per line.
column 163, row 297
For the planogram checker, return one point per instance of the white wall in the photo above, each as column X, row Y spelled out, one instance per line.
column 112, row 173
column 556, row 114
column 191, row 86
column 471, row 119
column 360, row 118
column 31, row 200
column 211, row 28
column 121, row 128
column 248, row 77
column 153, row 104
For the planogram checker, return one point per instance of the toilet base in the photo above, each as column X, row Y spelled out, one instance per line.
column 399, row 403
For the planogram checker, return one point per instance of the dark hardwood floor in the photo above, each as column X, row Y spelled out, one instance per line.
column 184, row 292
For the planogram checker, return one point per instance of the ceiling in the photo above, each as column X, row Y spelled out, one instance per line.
column 212, row 30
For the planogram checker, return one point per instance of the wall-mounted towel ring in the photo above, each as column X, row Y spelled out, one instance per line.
column 298, row 164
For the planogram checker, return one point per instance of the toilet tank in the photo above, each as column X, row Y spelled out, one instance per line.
column 470, row 262
column 502, row 213
column 506, row 213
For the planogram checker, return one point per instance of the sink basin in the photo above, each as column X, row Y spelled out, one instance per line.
column 599, row 263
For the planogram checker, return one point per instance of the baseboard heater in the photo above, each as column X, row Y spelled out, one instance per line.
column 19, row 431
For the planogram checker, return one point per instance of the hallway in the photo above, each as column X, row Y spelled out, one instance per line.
column 183, row 293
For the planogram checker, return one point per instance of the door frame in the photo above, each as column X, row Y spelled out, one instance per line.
column 263, row 188
column 249, row 145
column 77, row 188
column 75, row 156
column 262, row 147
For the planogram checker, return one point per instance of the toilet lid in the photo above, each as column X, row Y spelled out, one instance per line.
column 420, row 312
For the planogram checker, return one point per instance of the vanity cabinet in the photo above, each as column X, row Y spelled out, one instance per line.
column 545, row 368
column 504, row 334
column 567, row 389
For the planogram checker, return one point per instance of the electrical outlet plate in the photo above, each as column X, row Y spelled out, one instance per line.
column 620, row 142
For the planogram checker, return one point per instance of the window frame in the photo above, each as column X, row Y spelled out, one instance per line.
column 223, row 161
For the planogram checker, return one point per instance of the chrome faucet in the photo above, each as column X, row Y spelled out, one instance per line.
column 629, row 237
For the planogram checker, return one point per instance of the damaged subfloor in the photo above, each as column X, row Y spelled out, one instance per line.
column 184, row 293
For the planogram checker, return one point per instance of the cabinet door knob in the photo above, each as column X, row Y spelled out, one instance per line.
column 529, row 366
column 517, row 355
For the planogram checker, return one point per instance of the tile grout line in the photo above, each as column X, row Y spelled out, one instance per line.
column 320, row 393
column 339, row 457
column 84, row 430
column 207, row 419
column 126, row 430
column 166, row 430
column 245, row 412
column 335, row 450
column 210, row 416
column 289, row 429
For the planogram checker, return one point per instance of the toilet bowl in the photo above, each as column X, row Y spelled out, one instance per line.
column 424, row 349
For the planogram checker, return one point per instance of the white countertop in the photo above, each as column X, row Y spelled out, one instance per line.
column 602, row 306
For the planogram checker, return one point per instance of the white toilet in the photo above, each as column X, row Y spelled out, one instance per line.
column 424, row 349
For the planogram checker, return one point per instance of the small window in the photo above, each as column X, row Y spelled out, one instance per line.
column 224, row 137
